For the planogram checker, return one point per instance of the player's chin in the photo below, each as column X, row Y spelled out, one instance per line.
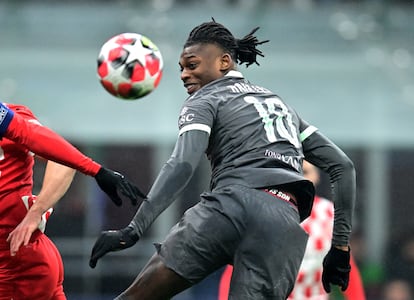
column 192, row 88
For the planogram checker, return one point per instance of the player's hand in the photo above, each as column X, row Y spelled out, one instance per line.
column 23, row 232
column 336, row 268
column 112, row 240
column 111, row 182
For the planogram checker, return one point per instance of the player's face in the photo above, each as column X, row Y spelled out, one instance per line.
column 202, row 63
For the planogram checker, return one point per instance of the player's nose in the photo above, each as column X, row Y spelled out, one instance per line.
column 185, row 75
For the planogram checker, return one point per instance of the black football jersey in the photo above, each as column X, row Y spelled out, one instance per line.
column 252, row 138
column 255, row 137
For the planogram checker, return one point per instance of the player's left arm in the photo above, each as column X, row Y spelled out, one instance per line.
column 323, row 153
column 23, row 128
column 172, row 179
column 56, row 181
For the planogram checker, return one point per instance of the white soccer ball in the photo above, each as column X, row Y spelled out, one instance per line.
column 129, row 66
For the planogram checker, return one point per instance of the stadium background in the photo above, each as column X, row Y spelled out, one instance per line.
column 346, row 66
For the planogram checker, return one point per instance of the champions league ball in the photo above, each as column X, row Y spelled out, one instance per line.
column 129, row 66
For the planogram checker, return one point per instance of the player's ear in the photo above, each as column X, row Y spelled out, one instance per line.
column 226, row 62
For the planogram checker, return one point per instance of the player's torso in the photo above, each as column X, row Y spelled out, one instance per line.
column 16, row 167
column 16, row 171
column 251, row 127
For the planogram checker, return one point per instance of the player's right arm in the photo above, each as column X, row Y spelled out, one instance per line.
column 171, row 180
column 51, row 146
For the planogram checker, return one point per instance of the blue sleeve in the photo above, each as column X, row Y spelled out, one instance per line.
column 6, row 115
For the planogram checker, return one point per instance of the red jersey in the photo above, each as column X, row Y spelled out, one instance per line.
column 16, row 183
column 43, row 141
column 16, row 161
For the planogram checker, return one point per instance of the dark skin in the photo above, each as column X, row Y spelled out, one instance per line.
column 200, row 64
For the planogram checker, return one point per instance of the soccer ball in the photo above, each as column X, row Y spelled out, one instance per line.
column 129, row 66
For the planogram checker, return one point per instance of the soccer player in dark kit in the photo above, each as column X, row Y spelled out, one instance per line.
column 251, row 216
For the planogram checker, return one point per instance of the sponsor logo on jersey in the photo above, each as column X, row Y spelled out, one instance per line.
column 287, row 159
column 185, row 116
column 184, row 110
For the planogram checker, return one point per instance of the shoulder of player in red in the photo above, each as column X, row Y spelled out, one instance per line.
column 6, row 116
column 19, row 127
column 21, row 110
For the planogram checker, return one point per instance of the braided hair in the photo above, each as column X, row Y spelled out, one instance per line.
column 241, row 50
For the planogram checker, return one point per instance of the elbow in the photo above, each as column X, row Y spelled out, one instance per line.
column 344, row 168
column 348, row 165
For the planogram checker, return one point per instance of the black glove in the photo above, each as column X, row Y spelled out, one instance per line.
column 112, row 240
column 336, row 269
column 110, row 181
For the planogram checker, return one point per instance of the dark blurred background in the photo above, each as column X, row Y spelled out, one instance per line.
column 346, row 66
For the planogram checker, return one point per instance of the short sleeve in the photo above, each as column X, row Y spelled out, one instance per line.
column 306, row 130
column 197, row 114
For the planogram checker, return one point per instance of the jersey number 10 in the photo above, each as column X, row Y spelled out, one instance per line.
column 276, row 118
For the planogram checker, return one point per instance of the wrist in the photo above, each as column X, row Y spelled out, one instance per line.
column 99, row 169
column 37, row 208
column 34, row 214
column 131, row 232
column 342, row 247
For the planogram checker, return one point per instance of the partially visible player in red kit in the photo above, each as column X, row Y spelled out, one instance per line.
column 318, row 225
column 31, row 266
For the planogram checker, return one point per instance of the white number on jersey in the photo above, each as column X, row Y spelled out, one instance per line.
column 283, row 123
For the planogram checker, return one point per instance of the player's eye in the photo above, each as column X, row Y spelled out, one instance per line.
column 192, row 66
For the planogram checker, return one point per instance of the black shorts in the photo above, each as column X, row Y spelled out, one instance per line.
column 251, row 229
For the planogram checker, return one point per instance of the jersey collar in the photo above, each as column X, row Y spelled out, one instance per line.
column 234, row 73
